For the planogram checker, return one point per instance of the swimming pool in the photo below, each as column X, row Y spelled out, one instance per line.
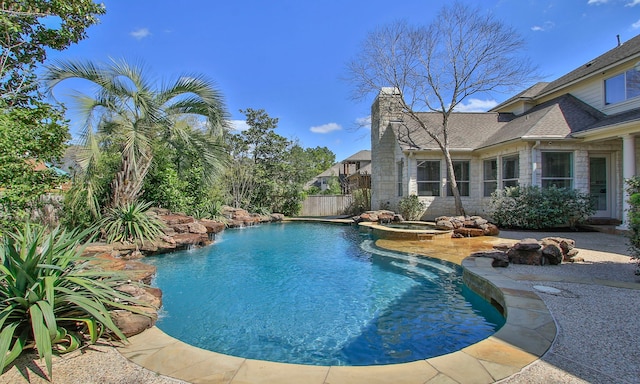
column 317, row 294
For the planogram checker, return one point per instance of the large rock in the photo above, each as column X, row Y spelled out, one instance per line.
column 523, row 256
column 567, row 246
column 133, row 323
column 212, row 226
column 148, row 295
column 552, row 254
column 469, row 232
column 527, row 245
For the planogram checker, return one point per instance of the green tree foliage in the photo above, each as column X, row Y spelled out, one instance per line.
column 532, row 207
column 268, row 171
column 28, row 137
column 31, row 130
column 173, row 130
column 29, row 28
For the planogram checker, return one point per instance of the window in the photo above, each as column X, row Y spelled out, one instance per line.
column 399, row 173
column 428, row 178
column 557, row 169
column 461, row 172
column 490, row 174
column 510, row 171
column 622, row 87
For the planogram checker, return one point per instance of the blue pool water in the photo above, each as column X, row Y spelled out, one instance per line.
column 317, row 294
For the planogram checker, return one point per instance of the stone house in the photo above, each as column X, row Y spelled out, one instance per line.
column 578, row 131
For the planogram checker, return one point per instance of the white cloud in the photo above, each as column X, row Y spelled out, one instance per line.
column 476, row 105
column 636, row 25
column 364, row 122
column 632, row 3
column 238, row 125
column 326, row 128
column 547, row 25
column 140, row 34
column 597, row 2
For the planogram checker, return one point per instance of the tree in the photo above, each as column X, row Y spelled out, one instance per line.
column 464, row 52
column 268, row 171
column 31, row 130
column 129, row 115
column 27, row 32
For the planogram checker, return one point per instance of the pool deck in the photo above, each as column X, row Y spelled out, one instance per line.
column 528, row 334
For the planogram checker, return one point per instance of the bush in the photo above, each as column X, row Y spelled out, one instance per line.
column 411, row 208
column 361, row 202
column 130, row 222
column 532, row 207
column 49, row 299
column 633, row 215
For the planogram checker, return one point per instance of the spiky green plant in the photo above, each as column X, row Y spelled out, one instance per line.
column 130, row 222
column 50, row 299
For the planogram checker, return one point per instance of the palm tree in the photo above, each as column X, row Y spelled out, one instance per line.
column 128, row 112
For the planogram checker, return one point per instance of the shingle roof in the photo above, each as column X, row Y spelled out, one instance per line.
column 557, row 118
column 621, row 52
column 528, row 93
column 364, row 155
column 466, row 129
column 619, row 118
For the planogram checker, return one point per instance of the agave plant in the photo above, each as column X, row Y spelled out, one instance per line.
column 50, row 299
column 130, row 222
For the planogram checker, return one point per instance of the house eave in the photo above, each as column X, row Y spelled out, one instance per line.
column 610, row 131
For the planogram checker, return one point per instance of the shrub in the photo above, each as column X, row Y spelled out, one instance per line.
column 411, row 208
column 49, row 299
column 130, row 222
column 361, row 202
column 532, row 207
column 633, row 215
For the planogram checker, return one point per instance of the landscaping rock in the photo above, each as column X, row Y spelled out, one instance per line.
column 133, row 323
column 527, row 245
column 469, row 232
column 552, row 254
column 525, row 256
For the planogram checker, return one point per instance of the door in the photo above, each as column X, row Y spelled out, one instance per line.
column 599, row 184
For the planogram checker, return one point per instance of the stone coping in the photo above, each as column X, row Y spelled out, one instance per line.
column 386, row 232
column 527, row 334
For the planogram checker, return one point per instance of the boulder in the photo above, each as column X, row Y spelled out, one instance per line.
column 173, row 219
column 196, row 227
column 469, row 232
column 147, row 295
column 212, row 226
column 133, row 323
column 491, row 230
column 446, row 225
column 277, row 217
column 524, row 256
column 527, row 245
column 552, row 254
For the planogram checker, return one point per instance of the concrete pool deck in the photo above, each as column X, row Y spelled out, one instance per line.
column 583, row 331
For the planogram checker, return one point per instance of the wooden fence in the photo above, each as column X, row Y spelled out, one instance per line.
column 325, row 205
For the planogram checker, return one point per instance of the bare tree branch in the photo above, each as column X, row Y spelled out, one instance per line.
column 465, row 52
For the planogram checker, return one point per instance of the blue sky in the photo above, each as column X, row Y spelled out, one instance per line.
column 289, row 57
